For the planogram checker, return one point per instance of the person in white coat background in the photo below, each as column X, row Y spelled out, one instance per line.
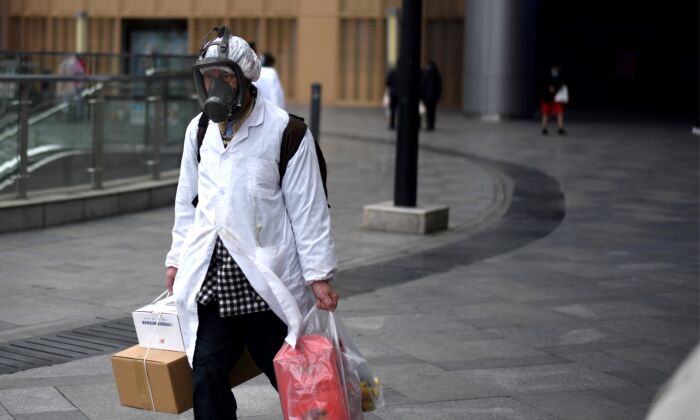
column 269, row 85
column 251, row 253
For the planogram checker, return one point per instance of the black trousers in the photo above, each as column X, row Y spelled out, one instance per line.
column 220, row 342
column 393, row 105
column 430, row 108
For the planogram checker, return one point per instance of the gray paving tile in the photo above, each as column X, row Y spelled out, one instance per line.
column 390, row 325
column 4, row 415
column 393, row 397
column 493, row 315
column 612, row 344
column 426, row 383
column 547, row 378
column 560, row 335
column 34, row 400
column 600, row 361
column 608, row 310
column 580, row 406
column 56, row 415
column 102, row 402
column 662, row 358
column 482, row 409
column 632, row 395
column 255, row 400
column 6, row 325
column 457, row 347
column 500, row 362
column 642, row 376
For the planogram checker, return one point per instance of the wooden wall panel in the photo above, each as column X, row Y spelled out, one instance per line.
column 137, row 8
column 360, row 8
column 210, row 9
column 444, row 9
column 15, row 33
column 361, row 61
column 281, row 8
column 280, row 41
column 64, row 34
column 319, row 8
column 16, row 7
column 246, row 28
column 198, row 29
column 102, row 8
column 444, row 40
column 173, row 8
column 391, row 3
column 245, row 8
column 65, row 7
column 35, row 7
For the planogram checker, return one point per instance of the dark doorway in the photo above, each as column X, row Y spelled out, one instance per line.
column 623, row 56
column 156, row 37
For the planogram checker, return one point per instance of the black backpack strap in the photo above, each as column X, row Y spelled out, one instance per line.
column 201, row 132
column 291, row 140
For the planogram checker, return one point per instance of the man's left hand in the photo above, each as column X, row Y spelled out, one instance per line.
column 326, row 296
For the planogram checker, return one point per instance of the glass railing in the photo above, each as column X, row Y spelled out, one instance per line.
column 90, row 132
column 69, row 63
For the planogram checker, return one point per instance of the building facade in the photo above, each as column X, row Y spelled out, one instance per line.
column 340, row 43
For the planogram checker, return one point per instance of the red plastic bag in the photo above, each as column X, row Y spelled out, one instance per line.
column 308, row 380
column 314, row 380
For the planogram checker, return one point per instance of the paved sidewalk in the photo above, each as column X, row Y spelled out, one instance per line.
column 566, row 288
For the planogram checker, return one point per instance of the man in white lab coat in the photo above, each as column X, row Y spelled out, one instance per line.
column 269, row 85
column 251, row 252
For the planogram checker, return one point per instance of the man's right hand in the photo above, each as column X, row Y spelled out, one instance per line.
column 170, row 278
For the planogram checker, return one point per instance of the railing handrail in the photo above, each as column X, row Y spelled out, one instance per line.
column 103, row 78
column 95, row 54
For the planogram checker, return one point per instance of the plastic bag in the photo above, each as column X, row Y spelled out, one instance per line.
column 370, row 386
column 321, row 377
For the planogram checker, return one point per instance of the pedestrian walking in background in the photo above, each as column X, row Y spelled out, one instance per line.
column 555, row 95
column 269, row 85
column 72, row 91
column 431, row 88
column 392, row 89
column 252, row 250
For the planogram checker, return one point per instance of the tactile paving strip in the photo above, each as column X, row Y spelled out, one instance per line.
column 78, row 343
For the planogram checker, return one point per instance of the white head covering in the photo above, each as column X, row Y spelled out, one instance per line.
column 239, row 52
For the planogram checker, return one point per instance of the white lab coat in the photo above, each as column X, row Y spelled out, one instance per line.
column 270, row 87
column 279, row 236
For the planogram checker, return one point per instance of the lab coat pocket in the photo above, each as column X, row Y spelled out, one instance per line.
column 262, row 177
column 271, row 257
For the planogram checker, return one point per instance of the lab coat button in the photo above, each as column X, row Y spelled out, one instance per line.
column 222, row 192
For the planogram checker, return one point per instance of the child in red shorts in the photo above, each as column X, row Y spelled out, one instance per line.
column 554, row 96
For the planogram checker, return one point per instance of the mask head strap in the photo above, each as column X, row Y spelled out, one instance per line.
column 222, row 32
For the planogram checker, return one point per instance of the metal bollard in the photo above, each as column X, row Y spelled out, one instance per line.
column 97, row 169
column 315, row 111
column 157, row 128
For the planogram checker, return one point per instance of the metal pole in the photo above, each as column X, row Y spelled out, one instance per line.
column 316, row 111
column 156, row 131
column 23, row 175
column 406, row 175
column 97, row 169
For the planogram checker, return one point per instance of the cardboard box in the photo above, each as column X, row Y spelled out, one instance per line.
column 167, row 335
column 169, row 374
column 170, row 377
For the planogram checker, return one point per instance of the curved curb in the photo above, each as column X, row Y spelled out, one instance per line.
column 72, row 205
column 536, row 208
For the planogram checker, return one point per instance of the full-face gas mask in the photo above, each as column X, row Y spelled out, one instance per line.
column 214, row 77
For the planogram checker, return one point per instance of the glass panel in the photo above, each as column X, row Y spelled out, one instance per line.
column 62, row 117
column 181, row 106
column 60, row 136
